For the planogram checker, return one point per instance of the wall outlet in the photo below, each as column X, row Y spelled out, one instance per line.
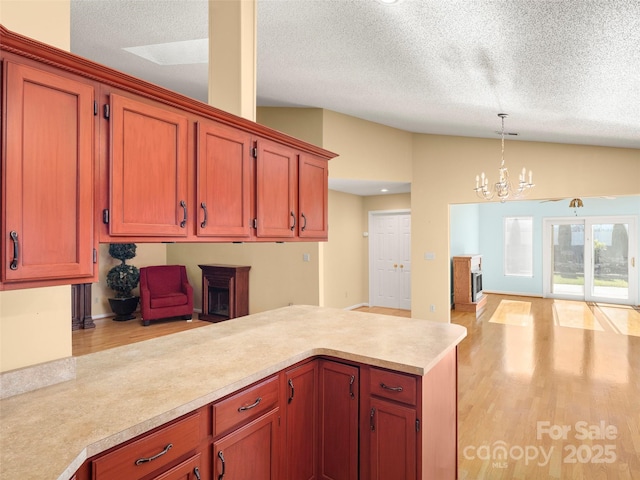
column 432, row 308
column 306, row 257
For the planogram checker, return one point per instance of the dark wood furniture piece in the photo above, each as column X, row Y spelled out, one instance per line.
column 81, row 306
column 225, row 292
column 467, row 297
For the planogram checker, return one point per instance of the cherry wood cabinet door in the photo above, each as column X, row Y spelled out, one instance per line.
column 148, row 169
column 301, row 443
column 250, row 452
column 224, row 181
column 48, row 176
column 313, row 184
column 339, row 399
column 392, row 453
column 276, row 190
column 190, row 469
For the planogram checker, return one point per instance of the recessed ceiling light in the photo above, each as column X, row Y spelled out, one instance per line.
column 384, row 190
column 388, row 2
column 184, row 52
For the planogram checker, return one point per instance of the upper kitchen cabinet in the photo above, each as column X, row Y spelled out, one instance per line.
column 47, row 182
column 276, row 190
column 148, row 169
column 223, row 178
column 92, row 155
column 313, row 186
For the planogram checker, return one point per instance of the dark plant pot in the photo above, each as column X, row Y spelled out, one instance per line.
column 123, row 308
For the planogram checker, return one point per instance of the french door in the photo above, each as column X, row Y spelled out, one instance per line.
column 390, row 259
column 591, row 259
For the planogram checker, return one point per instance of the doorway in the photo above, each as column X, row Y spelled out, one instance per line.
column 591, row 259
column 390, row 259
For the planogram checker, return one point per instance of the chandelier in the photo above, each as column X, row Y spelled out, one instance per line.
column 503, row 188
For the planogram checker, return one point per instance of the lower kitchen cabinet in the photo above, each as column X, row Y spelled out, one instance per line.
column 339, row 406
column 392, row 452
column 190, row 469
column 321, row 419
column 155, row 454
column 301, row 422
column 249, row 453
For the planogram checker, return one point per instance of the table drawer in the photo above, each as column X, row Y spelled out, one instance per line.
column 150, row 452
column 393, row 385
column 245, row 405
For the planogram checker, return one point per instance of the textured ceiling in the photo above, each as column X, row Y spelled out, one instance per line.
column 565, row 71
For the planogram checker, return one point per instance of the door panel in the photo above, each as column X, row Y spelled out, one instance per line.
column 390, row 260
column 149, row 167
column 49, row 181
column 224, row 183
column 592, row 259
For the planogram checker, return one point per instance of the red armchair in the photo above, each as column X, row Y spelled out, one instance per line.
column 165, row 292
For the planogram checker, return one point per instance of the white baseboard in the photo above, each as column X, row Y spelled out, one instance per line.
column 353, row 307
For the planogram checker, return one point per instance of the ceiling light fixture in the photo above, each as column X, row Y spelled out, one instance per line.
column 503, row 187
column 575, row 204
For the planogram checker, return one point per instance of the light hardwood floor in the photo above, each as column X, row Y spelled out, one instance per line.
column 529, row 370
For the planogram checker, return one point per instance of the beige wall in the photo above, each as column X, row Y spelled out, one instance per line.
column 367, row 150
column 344, row 261
column 278, row 275
column 302, row 123
column 444, row 170
column 35, row 324
column 46, row 20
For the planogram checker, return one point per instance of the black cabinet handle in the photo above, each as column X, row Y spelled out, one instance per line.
column 183, row 223
column 196, row 472
column 305, row 222
column 204, row 222
column 292, row 391
column 221, row 457
column 393, row 389
column 351, row 381
column 372, row 423
column 294, row 221
column 16, row 250
column 140, row 461
column 249, row 407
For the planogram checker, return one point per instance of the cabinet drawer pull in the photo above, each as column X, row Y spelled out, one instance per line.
column 16, row 250
column 183, row 223
column 140, row 461
column 221, row 457
column 204, row 222
column 249, row 407
column 305, row 222
column 196, row 472
column 294, row 221
column 393, row 389
column 372, row 423
column 293, row 390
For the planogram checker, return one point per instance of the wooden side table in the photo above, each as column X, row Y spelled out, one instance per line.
column 225, row 292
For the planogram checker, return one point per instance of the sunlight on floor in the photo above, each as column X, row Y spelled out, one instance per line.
column 620, row 319
column 572, row 314
column 512, row 312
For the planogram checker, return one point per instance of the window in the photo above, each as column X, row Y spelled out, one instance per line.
column 518, row 246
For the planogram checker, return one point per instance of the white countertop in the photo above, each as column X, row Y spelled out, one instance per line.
column 120, row 393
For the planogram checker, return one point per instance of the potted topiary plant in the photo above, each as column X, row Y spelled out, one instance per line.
column 123, row 279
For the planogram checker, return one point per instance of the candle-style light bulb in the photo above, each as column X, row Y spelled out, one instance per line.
column 530, row 177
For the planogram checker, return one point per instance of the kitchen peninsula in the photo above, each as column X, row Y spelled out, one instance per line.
column 125, row 392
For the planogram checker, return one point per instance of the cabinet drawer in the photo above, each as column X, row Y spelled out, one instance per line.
column 145, row 455
column 245, row 405
column 393, row 385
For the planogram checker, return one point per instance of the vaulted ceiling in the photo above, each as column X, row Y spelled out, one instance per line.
column 565, row 71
